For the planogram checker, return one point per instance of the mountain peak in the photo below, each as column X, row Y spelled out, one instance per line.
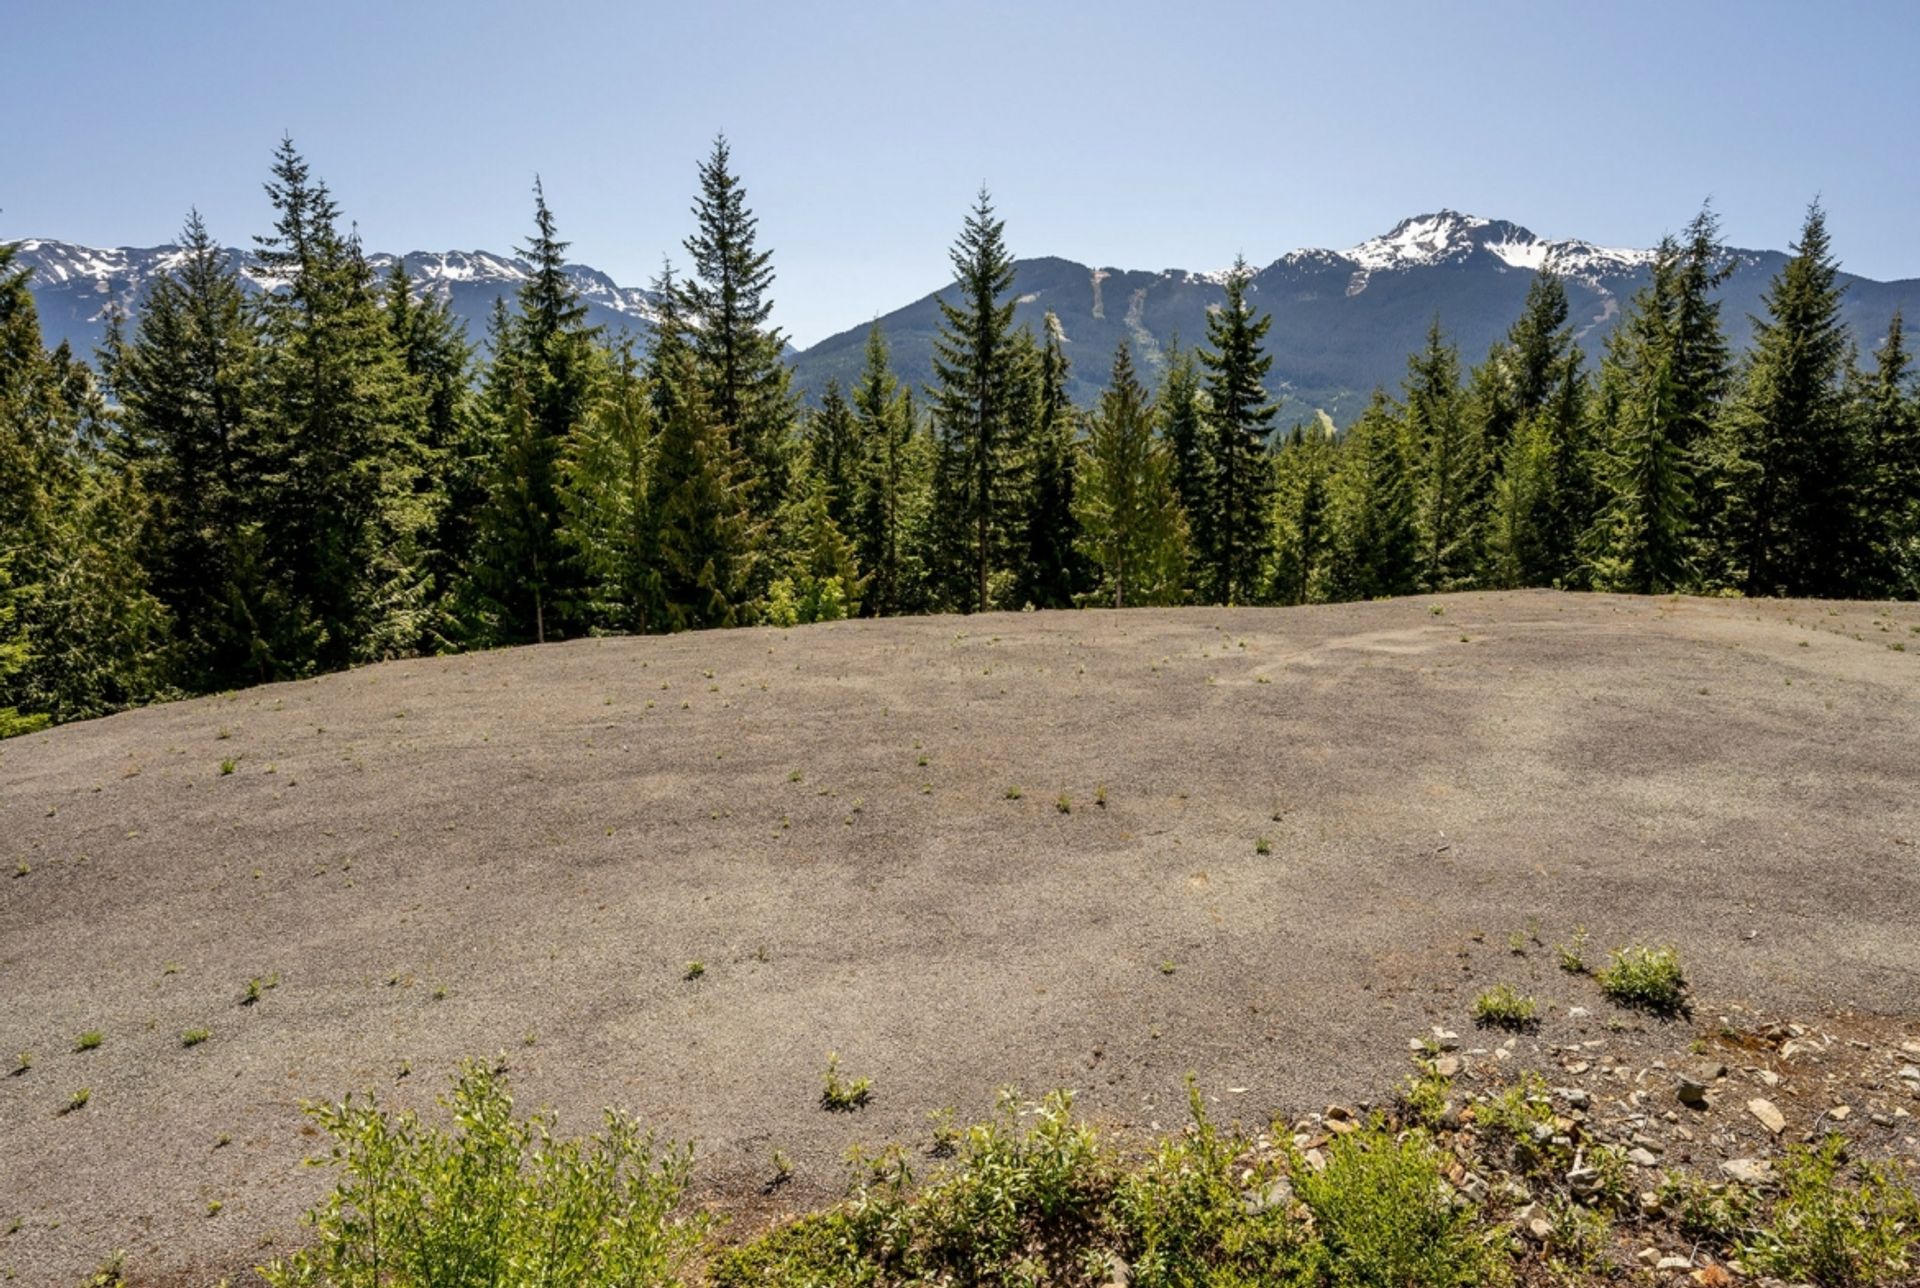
column 1445, row 236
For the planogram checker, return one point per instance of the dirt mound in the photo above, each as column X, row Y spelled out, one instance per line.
column 1097, row 850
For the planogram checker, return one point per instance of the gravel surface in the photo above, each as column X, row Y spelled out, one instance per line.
column 1309, row 815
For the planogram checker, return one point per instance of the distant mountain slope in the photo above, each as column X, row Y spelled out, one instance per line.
column 1343, row 321
column 75, row 286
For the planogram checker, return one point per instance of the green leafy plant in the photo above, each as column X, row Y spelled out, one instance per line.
column 1502, row 1007
column 1838, row 1235
column 89, row 1040
column 843, row 1095
column 227, row 766
column 1383, row 1216
column 1573, row 953
column 499, row 1200
column 694, row 970
column 194, row 1037
column 1647, row 979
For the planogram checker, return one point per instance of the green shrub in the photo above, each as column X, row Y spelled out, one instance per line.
column 1194, row 1215
column 1383, row 1217
column 1826, row 1232
column 1714, row 1214
column 1015, row 1207
column 1501, row 1007
column 497, row 1201
column 1648, row 979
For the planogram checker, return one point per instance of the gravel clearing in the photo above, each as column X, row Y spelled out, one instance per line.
column 1097, row 850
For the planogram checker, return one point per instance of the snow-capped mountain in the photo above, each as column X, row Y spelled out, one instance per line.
column 1450, row 237
column 1343, row 321
column 76, row 287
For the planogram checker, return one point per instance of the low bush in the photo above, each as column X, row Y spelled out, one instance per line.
column 1647, row 979
column 496, row 1201
column 1823, row 1230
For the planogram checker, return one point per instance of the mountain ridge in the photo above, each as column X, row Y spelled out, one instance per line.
column 1344, row 320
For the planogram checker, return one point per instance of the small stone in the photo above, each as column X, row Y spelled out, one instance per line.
column 1576, row 1097
column 1748, row 1171
column 1278, row 1193
column 1840, row 1113
column 1768, row 1076
column 1692, row 1092
column 1578, row 1067
column 1649, row 1203
column 1339, row 1113
column 1909, row 1073
column 1910, row 1048
column 1540, row 1229
column 1445, row 1040
column 1447, row 1066
column 1644, row 1157
column 1581, row 1013
column 1674, row 1263
column 1647, row 1256
column 1770, row 1117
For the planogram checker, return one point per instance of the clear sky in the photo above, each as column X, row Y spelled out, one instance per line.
column 1118, row 133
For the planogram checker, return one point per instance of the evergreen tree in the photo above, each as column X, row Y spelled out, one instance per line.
column 705, row 536
column 1890, row 441
column 186, row 384
column 976, row 372
column 606, row 471
column 1452, row 472
column 1053, row 571
column 1540, row 344
column 1303, row 515
column 1519, row 529
column 833, row 452
column 1238, row 417
column 823, row 581
column 1794, row 471
column 80, row 635
column 450, row 484
column 542, row 378
column 1181, row 405
column 1376, row 548
column 884, row 507
column 338, row 508
column 1641, row 539
column 1131, row 525
column 727, row 308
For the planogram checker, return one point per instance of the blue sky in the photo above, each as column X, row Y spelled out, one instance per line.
column 1136, row 135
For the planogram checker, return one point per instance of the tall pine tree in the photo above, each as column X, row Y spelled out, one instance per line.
column 1238, row 418
column 973, row 403
column 1131, row 524
column 1795, row 474
column 727, row 305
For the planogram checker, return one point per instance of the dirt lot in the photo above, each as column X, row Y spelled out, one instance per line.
column 1098, row 850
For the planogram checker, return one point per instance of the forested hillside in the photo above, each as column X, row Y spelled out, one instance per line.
column 263, row 485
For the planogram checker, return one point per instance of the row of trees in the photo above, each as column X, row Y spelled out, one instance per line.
column 261, row 486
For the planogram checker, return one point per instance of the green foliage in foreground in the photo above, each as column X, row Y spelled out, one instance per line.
column 1052, row 1203
column 1031, row 1197
column 498, row 1201
column 1838, row 1236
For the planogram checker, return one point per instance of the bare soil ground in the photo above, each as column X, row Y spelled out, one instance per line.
column 1097, row 850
